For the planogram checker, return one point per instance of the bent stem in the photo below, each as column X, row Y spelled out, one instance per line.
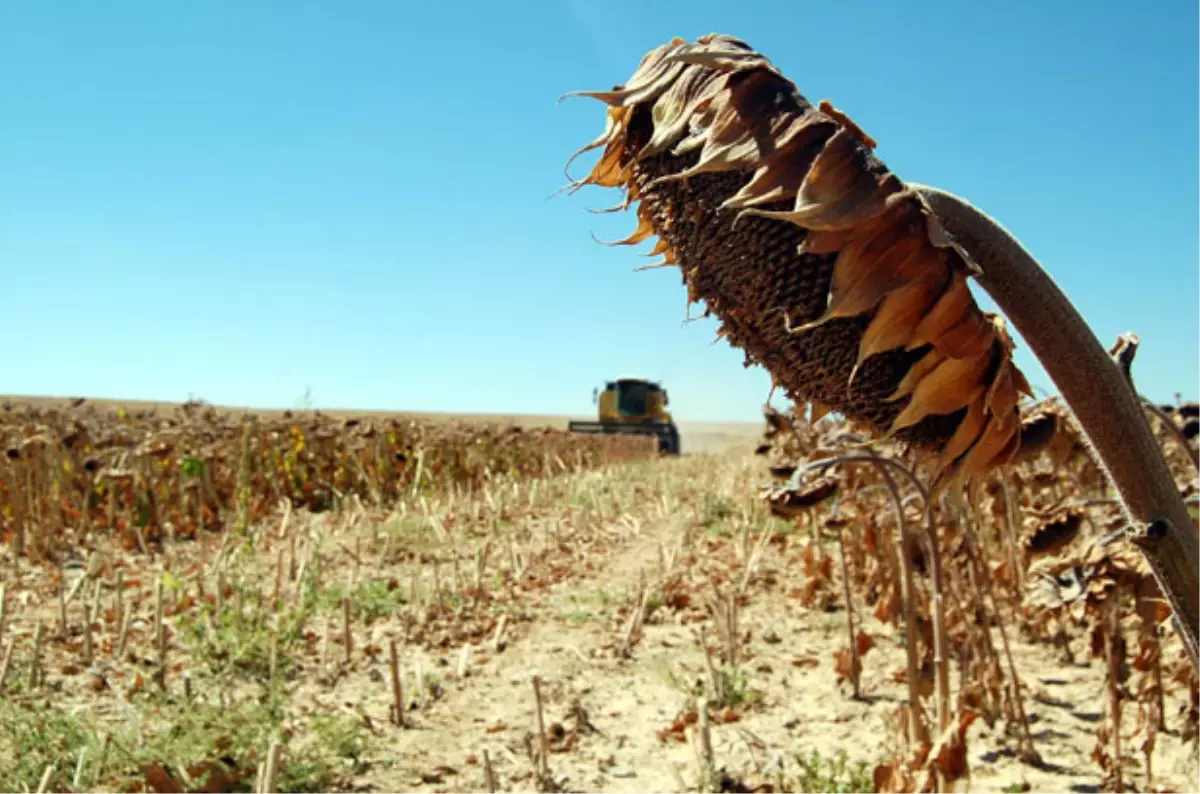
column 855, row 664
column 918, row 733
column 1108, row 410
column 940, row 659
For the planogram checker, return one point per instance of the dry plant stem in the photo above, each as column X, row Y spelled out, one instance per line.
column 543, row 743
column 1027, row 749
column 123, row 637
column 1108, row 410
column 1013, row 539
column 160, row 636
column 854, row 663
column 714, row 679
column 1114, row 691
column 1146, row 607
column 271, row 775
column 708, row 758
column 44, row 784
column 119, row 599
column 489, row 774
column 77, row 779
column 62, row 612
column 35, row 673
column 346, row 634
column 635, row 621
column 918, row 732
column 397, row 692
column 6, row 665
column 87, row 639
column 940, row 660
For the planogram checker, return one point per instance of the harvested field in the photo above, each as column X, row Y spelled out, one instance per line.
column 696, row 436
column 146, row 475
column 684, row 633
column 957, row 551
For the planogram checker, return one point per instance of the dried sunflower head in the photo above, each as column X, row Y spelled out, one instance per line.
column 1038, row 430
column 1054, row 583
column 1049, row 535
column 776, row 421
column 821, row 265
column 793, row 499
column 782, row 471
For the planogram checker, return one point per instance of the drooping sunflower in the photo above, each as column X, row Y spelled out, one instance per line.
column 821, row 265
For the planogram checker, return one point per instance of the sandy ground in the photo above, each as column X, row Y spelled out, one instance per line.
column 789, row 661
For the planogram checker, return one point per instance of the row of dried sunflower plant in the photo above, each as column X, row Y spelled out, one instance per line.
column 145, row 477
column 1035, row 549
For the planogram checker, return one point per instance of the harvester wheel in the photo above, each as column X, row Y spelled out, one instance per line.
column 668, row 442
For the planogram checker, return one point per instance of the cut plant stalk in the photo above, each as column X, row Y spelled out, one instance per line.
column 397, row 692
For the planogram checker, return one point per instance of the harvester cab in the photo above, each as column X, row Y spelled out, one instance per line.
column 633, row 406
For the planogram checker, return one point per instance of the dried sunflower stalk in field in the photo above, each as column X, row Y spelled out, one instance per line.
column 822, row 265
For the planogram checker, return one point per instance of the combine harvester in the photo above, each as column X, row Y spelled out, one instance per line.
column 633, row 406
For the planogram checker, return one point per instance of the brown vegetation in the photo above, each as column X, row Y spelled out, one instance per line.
column 76, row 471
column 685, row 634
column 1035, row 549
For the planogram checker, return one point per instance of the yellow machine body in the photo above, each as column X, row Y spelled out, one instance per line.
column 633, row 406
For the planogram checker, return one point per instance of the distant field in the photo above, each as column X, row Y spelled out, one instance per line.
column 696, row 436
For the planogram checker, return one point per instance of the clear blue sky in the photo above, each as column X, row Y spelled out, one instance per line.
column 243, row 200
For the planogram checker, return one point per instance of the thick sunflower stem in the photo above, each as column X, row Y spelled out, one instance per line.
column 1108, row 410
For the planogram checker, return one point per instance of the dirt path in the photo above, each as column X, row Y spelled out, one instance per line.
column 571, row 649
column 788, row 659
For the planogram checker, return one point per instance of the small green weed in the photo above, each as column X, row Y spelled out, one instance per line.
column 36, row 736
column 716, row 509
column 732, row 687
column 370, row 600
column 163, row 738
column 836, row 775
